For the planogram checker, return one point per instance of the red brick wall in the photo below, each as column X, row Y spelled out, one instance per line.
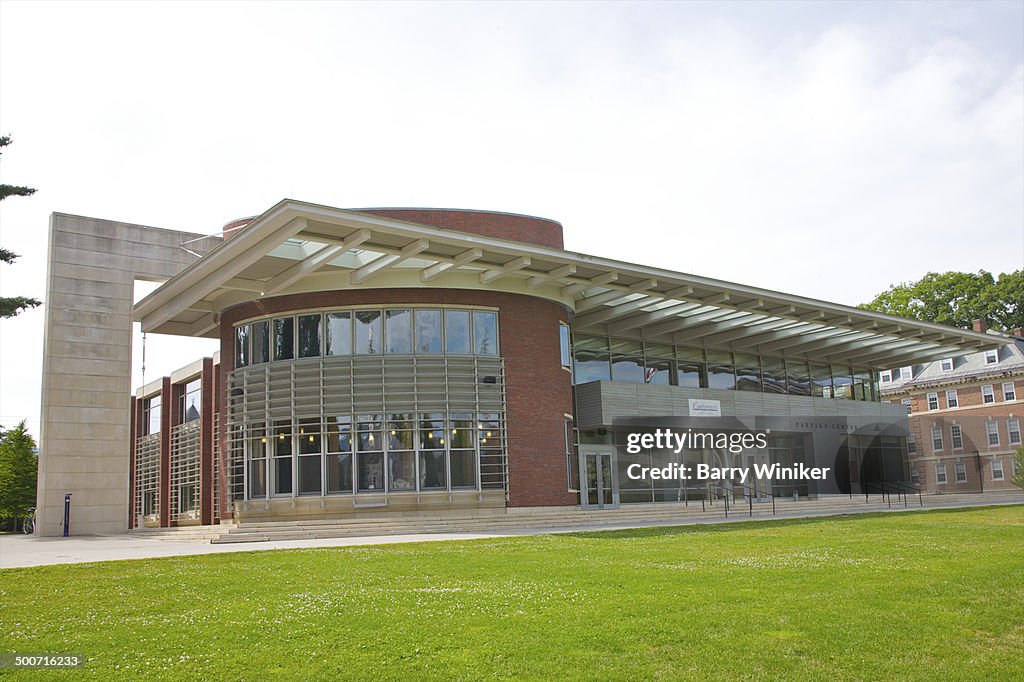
column 519, row 228
column 537, row 390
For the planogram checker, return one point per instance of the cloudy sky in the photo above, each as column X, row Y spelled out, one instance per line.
column 820, row 149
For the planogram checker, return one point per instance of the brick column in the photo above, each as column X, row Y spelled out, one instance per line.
column 167, row 407
column 206, row 444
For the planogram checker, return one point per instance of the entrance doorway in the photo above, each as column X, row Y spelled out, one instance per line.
column 600, row 489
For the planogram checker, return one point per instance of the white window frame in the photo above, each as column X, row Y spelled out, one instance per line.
column 956, row 434
column 940, row 473
column 991, row 357
column 936, row 439
column 909, row 404
column 911, row 442
column 992, row 429
column 997, row 472
column 906, row 373
column 988, row 392
column 960, row 469
column 1009, row 391
column 952, row 399
column 933, row 399
column 943, row 365
column 1013, row 431
column 885, row 376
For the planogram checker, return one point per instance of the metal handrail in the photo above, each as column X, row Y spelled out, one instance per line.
column 886, row 488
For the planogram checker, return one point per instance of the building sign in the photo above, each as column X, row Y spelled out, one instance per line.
column 705, row 408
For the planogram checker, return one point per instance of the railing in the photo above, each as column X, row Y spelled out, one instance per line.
column 730, row 492
column 887, row 488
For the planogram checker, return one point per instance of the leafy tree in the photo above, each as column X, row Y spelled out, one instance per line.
column 957, row 299
column 11, row 306
column 1018, row 478
column 19, row 467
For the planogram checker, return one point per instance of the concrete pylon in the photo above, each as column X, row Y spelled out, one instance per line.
column 84, row 444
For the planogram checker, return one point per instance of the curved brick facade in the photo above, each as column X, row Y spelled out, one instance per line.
column 519, row 228
column 538, row 391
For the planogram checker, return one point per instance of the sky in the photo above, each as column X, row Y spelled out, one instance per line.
column 822, row 149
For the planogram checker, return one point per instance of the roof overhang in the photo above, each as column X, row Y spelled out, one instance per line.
column 299, row 247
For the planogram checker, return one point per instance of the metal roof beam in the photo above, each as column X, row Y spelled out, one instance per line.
column 643, row 319
column 314, row 262
column 759, row 330
column 599, row 281
column 591, row 302
column 612, row 312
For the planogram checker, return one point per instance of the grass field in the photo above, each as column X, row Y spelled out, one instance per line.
column 923, row 595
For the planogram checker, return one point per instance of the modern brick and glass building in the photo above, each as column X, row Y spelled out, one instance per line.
column 408, row 361
column 965, row 415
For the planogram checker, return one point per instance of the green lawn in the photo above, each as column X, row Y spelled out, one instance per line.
column 923, row 595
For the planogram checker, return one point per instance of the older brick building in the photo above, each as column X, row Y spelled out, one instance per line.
column 965, row 416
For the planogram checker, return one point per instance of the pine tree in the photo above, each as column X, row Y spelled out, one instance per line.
column 19, row 467
column 11, row 306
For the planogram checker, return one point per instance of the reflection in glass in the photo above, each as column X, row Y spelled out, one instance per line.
column 748, row 373
column 591, row 366
column 821, row 381
column 402, row 470
column 456, row 331
column 260, row 342
column 242, row 346
column 433, row 473
column 309, row 475
column 339, row 473
column 842, row 382
column 371, row 471
column 399, row 330
column 368, row 332
column 258, row 478
column 339, row 333
column 485, row 333
column 284, row 338
column 463, row 468
column 309, row 336
column 798, row 376
column 428, row 331
column 628, row 368
column 721, row 373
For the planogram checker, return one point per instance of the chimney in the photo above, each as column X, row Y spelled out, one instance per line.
column 980, row 326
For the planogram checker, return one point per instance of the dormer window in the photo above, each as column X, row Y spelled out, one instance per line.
column 947, row 365
column 991, row 357
column 886, row 376
column 906, row 373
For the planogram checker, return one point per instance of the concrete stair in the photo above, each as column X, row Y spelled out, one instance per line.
column 552, row 519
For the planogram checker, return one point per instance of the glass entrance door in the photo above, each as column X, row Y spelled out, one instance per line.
column 600, row 488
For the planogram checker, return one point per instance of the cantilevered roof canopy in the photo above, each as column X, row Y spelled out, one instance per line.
column 298, row 247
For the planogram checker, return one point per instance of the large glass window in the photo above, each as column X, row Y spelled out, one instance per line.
column 658, row 364
column 627, row 361
column 456, row 331
column 260, row 342
column 462, row 451
column 842, row 382
column 369, row 454
column 485, row 333
column 257, row 461
column 721, row 371
column 151, row 415
column 242, row 345
column 399, row 330
column 591, row 359
column 428, row 331
column 282, row 457
column 401, row 438
column 492, row 469
column 433, row 469
column 691, row 367
column 339, row 454
column 773, row 375
column 748, row 373
column 821, row 381
column 190, row 405
column 310, row 442
column 284, row 338
column 339, row 333
column 309, row 335
column 368, row 332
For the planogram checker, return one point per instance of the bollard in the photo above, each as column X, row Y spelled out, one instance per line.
column 67, row 512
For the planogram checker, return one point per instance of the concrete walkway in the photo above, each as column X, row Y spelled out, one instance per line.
column 19, row 551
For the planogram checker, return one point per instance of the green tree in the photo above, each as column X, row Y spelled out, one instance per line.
column 19, row 467
column 957, row 299
column 11, row 306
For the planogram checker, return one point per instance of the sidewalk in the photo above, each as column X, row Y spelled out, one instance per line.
column 18, row 551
